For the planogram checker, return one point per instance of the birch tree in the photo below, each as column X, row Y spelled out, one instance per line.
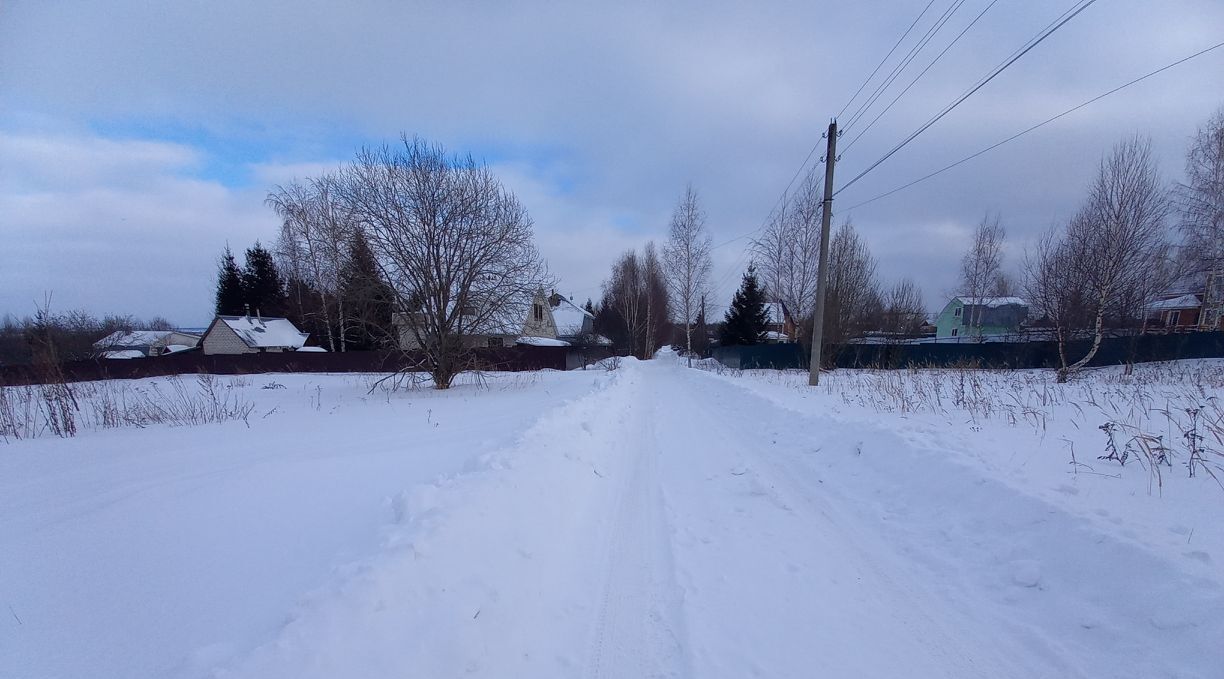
column 787, row 255
column 1200, row 199
column 687, row 261
column 981, row 264
column 1112, row 255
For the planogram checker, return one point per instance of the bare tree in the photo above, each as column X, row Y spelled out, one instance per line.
column 637, row 293
column 1201, row 199
column 981, row 264
column 316, row 226
column 687, row 260
column 787, row 253
column 623, row 294
column 454, row 246
column 1004, row 285
column 853, row 297
column 904, row 312
column 657, row 300
column 1112, row 255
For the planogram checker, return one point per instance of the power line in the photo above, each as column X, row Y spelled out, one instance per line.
column 904, row 63
column 815, row 146
column 920, row 74
column 991, row 76
column 885, row 59
column 1040, row 124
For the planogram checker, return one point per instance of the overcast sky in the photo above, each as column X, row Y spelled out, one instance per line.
column 138, row 138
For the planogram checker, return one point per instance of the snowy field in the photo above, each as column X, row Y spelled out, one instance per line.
column 655, row 520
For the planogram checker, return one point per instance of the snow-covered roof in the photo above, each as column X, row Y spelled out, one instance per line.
column 775, row 336
column 136, row 338
column 992, row 302
column 1182, row 302
column 266, row 332
column 175, row 348
column 123, row 354
column 542, row 342
column 313, row 350
column 570, row 318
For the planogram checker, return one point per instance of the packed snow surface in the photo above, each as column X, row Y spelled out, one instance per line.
column 648, row 521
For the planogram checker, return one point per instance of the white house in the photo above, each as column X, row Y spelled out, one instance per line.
column 251, row 335
column 142, row 343
column 574, row 324
column 538, row 327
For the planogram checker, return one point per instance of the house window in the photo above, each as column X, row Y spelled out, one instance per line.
column 1175, row 317
column 954, row 330
column 467, row 310
column 538, row 311
column 957, row 312
column 495, row 342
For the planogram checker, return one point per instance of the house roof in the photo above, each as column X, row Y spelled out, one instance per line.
column 136, row 338
column 542, row 342
column 265, row 332
column 569, row 318
column 124, row 353
column 991, row 302
column 1182, row 302
column 777, row 313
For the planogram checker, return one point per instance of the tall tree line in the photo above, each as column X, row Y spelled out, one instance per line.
column 634, row 309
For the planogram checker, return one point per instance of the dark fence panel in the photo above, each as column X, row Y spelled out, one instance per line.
column 770, row 356
column 1113, row 351
column 508, row 358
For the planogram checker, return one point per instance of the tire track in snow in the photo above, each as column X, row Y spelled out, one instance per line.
column 993, row 581
column 781, row 586
column 637, row 631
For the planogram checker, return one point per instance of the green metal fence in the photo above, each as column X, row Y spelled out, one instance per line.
column 1113, row 351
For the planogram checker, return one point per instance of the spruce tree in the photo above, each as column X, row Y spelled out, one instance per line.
column 701, row 333
column 747, row 319
column 366, row 298
column 262, row 286
column 230, row 296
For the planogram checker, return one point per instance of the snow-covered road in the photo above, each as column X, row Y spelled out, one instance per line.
column 674, row 523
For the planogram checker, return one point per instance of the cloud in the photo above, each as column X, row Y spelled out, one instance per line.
column 599, row 114
column 115, row 226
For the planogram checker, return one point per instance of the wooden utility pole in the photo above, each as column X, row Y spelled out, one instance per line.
column 822, row 279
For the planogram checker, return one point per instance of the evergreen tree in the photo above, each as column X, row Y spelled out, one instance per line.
column 748, row 318
column 701, row 333
column 262, row 286
column 365, row 298
column 589, row 306
column 230, row 295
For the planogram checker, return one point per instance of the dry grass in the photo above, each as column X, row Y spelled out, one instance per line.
column 1158, row 414
column 62, row 410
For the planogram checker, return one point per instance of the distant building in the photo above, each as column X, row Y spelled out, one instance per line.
column 536, row 328
column 1176, row 311
column 966, row 316
column 574, row 324
column 781, row 328
column 251, row 335
column 142, row 343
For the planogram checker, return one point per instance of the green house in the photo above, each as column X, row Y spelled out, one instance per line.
column 981, row 317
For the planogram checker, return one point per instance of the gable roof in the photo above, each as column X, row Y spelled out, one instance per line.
column 263, row 333
column 776, row 312
column 991, row 302
column 137, row 338
column 569, row 317
column 1182, row 302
